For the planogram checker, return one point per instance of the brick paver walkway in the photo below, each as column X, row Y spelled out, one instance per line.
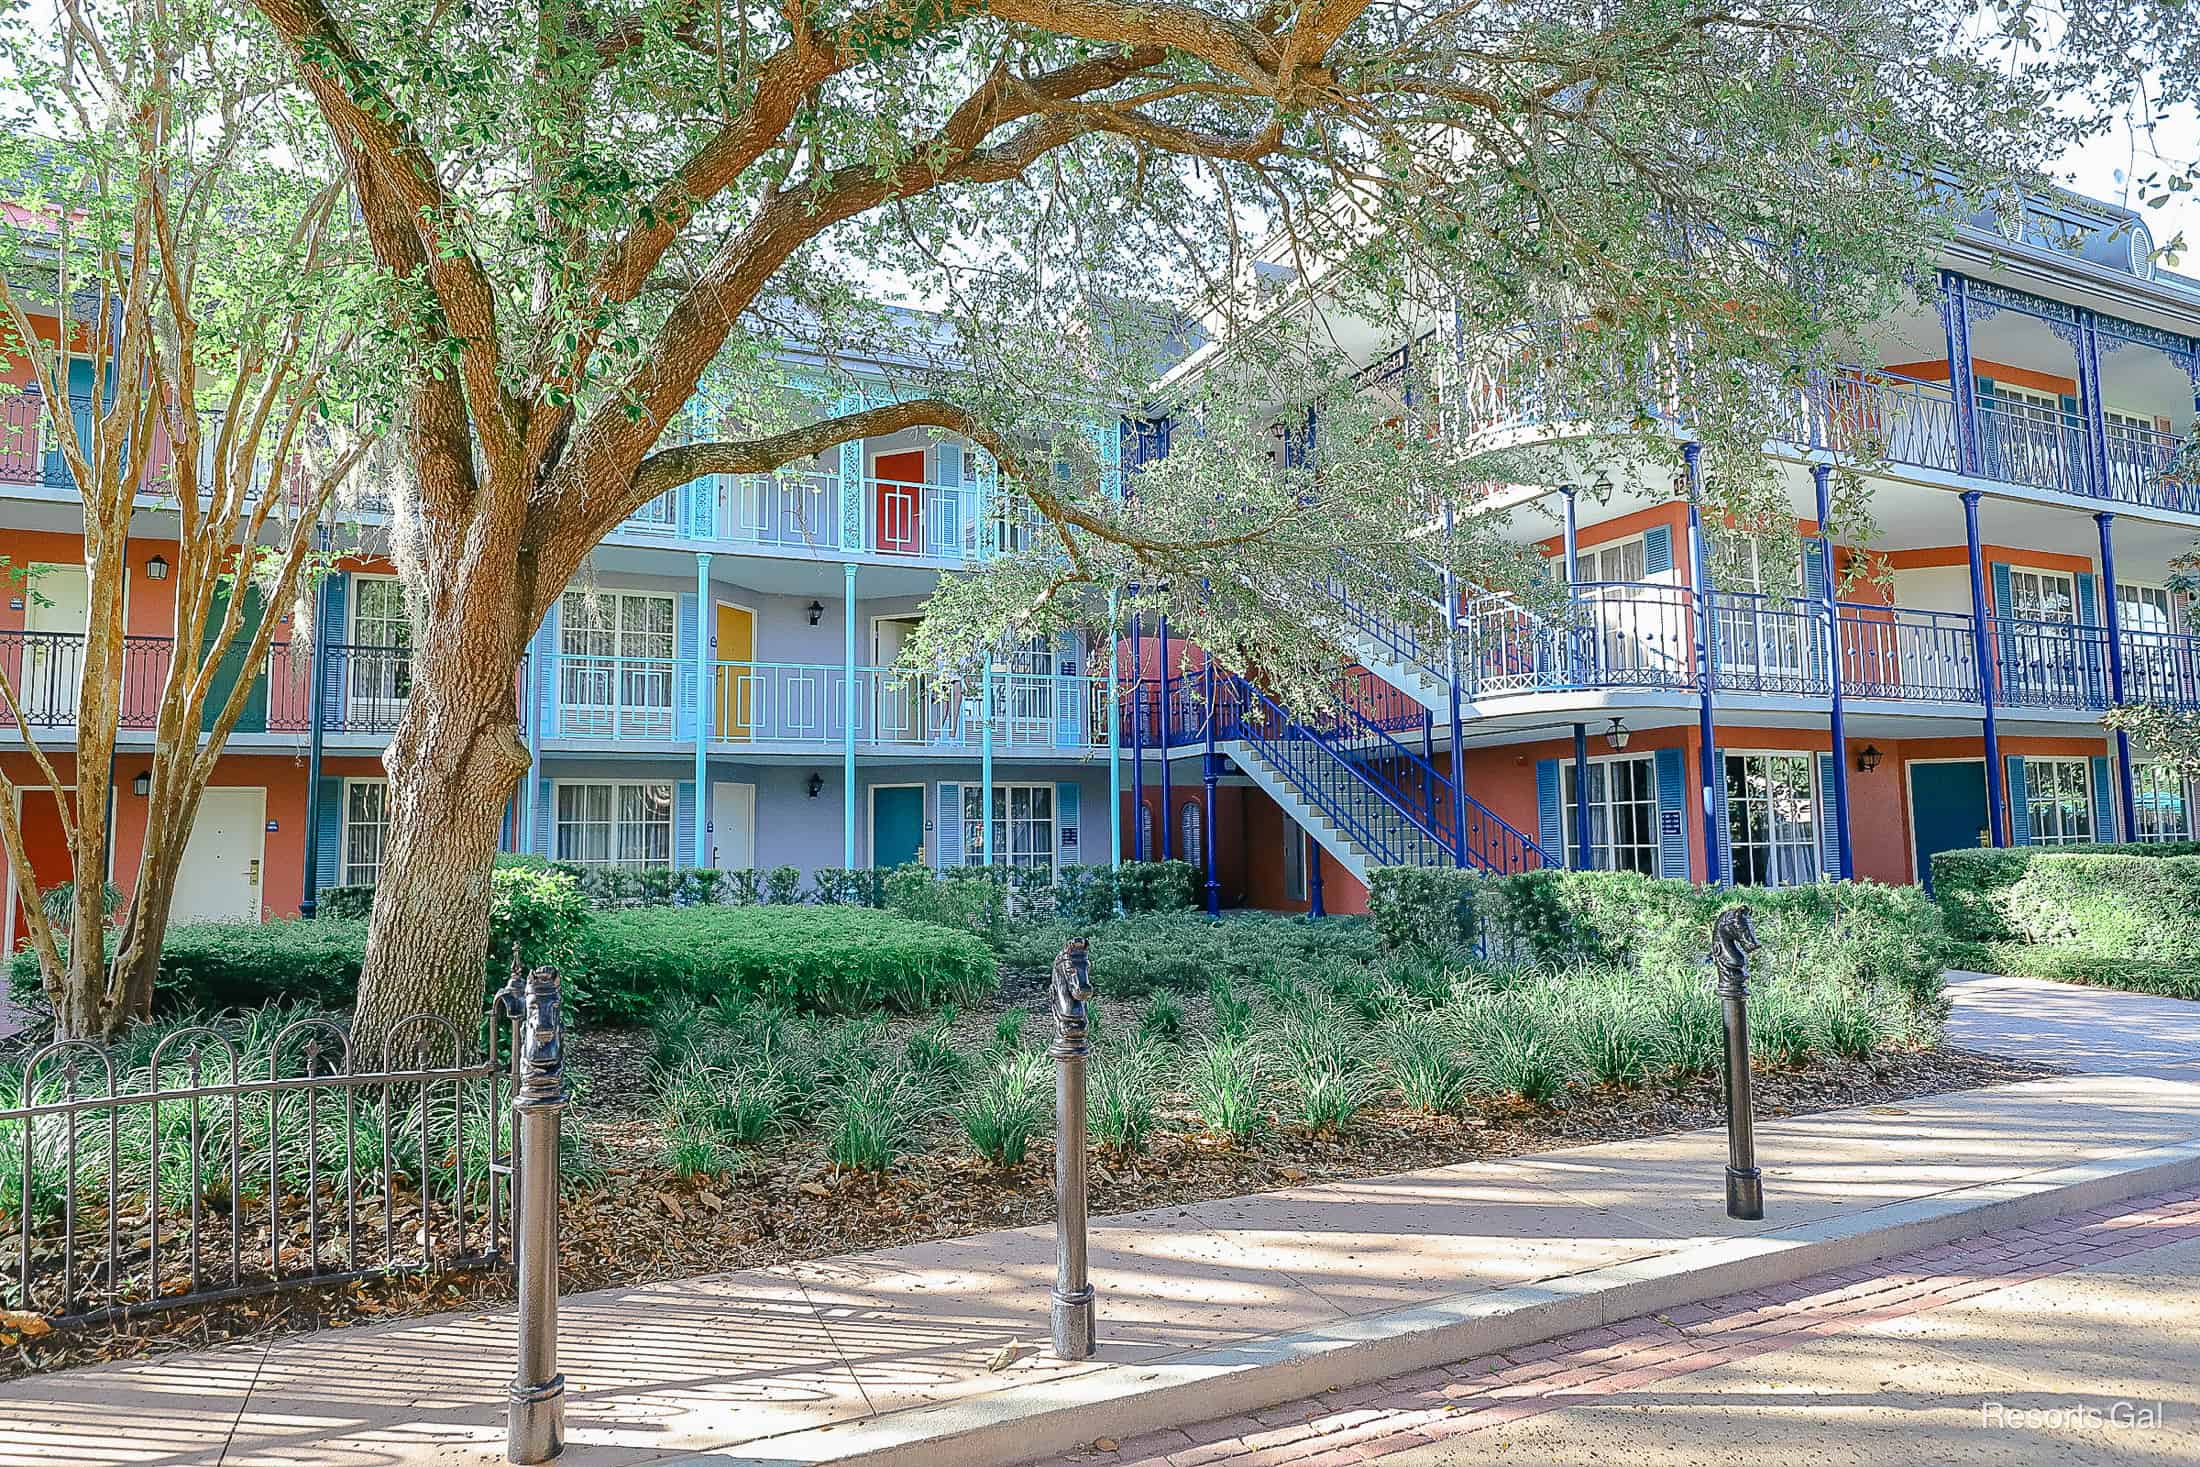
column 1399, row 1415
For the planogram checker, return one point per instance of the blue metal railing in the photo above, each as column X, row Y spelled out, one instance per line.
column 1424, row 651
column 1896, row 653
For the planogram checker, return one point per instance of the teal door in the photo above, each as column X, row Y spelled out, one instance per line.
column 1947, row 810
column 897, row 825
column 253, row 717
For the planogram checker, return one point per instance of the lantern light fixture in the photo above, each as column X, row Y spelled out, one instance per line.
column 1867, row 759
column 817, row 612
column 1617, row 736
column 815, row 785
column 141, row 784
column 156, row 569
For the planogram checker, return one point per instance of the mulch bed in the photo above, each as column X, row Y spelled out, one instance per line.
column 647, row 1224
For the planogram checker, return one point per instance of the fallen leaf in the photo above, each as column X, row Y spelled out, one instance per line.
column 1291, row 1173
column 672, row 1205
column 29, row 1326
column 1008, row 1355
column 1109, row 1443
column 815, row 1189
column 712, row 1200
column 1887, row 1110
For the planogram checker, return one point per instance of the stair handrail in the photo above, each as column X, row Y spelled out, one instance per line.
column 1386, row 632
column 1475, row 808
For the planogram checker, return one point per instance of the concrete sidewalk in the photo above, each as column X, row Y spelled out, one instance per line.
column 933, row 1354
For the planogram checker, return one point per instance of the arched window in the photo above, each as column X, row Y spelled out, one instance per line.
column 1146, row 851
column 1191, row 827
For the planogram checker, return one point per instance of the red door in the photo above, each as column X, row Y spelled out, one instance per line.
column 900, row 501
column 47, row 847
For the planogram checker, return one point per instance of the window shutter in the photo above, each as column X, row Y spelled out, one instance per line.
column 1657, row 550
column 544, row 667
column 1829, row 834
column 333, row 631
column 2092, row 650
column 1550, row 820
column 1672, row 815
column 2105, row 814
column 2089, row 613
column 685, row 830
column 546, row 819
column 947, row 825
column 1069, row 838
column 2005, row 646
column 945, row 534
column 686, row 637
column 2020, row 815
column 1814, row 570
column 328, row 841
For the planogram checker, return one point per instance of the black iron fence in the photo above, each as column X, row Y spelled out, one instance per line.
column 231, row 1162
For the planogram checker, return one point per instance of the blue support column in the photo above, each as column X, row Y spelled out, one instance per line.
column 1576, row 663
column 1115, row 740
column 1573, row 531
column 1207, row 776
column 706, row 642
column 1168, row 835
column 1314, row 906
column 1451, row 641
column 309, row 900
column 985, row 761
column 2090, row 406
column 1983, row 653
column 1821, row 476
column 1699, row 573
column 2127, row 803
column 848, row 726
column 1138, row 737
column 1580, row 852
column 1955, row 324
column 539, row 677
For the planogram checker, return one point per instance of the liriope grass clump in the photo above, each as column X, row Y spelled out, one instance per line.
column 1007, row 1106
column 1225, row 1080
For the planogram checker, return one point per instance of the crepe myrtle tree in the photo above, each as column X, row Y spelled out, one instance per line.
column 608, row 210
column 163, row 231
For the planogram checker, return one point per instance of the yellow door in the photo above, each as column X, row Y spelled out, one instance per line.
column 736, row 671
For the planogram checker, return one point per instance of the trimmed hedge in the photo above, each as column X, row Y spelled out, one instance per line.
column 833, row 959
column 1973, row 885
column 2069, row 964
column 1854, row 932
column 1132, row 955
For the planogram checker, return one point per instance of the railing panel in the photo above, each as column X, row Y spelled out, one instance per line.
column 2045, row 449
column 1768, row 644
column 2162, row 667
column 1890, row 652
column 809, row 703
column 791, row 508
column 2048, row 664
column 616, row 697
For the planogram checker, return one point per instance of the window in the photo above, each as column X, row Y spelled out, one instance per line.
column 1618, row 562
column 2058, row 801
column 2042, row 596
column 616, row 655
column 1623, row 814
column 1145, row 833
column 1771, row 833
column 1023, row 824
column 2143, row 608
column 1191, row 831
column 2162, row 802
column 381, row 641
column 366, row 825
column 626, row 825
column 1028, row 700
column 1294, row 862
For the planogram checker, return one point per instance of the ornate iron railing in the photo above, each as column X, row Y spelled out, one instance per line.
column 234, row 1163
column 1894, row 652
column 796, row 702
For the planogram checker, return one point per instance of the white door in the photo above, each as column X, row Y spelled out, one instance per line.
column 900, row 705
column 54, row 613
column 732, row 826
column 220, row 878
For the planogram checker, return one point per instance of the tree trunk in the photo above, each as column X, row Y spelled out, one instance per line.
column 453, row 765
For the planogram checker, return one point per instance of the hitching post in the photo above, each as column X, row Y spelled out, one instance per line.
column 536, row 1430
column 1073, row 1297
column 1733, row 939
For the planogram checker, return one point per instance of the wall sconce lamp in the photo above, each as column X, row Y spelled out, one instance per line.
column 156, row 569
column 816, row 783
column 817, row 612
column 1603, row 485
column 142, row 784
column 1617, row 736
column 1867, row 759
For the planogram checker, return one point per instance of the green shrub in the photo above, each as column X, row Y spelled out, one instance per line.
column 1972, row 885
column 1120, row 1107
column 1422, row 910
column 972, row 899
column 1233, row 1015
column 832, row 959
column 1157, row 886
column 2115, row 905
column 848, row 887
column 1084, row 896
column 1225, row 1083
column 1516, row 1048
column 1183, row 951
column 1691, row 1026
column 540, row 913
column 345, row 903
column 1007, row 1107
column 1008, row 1029
column 1618, row 1040
column 212, row 966
column 1162, row 1019
column 876, row 1124
column 1785, row 1025
column 2068, row 964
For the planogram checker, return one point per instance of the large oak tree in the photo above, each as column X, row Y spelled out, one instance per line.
column 600, row 209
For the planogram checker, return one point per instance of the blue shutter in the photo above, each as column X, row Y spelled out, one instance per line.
column 331, row 631
column 2077, row 458
column 685, row 829
column 1070, row 715
column 1549, row 820
column 1814, row 569
column 2104, row 803
column 2020, row 817
column 1829, row 834
column 1069, row 837
column 545, row 670
column 1657, row 550
column 947, row 827
column 2092, row 649
column 328, row 841
column 1989, row 431
column 546, row 819
column 686, row 700
column 1672, row 815
column 944, row 536
column 2005, row 646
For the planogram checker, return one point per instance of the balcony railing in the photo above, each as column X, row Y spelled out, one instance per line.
column 789, row 702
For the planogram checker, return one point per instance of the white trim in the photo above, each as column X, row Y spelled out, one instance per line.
column 870, row 830
column 672, row 820
column 1909, row 805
